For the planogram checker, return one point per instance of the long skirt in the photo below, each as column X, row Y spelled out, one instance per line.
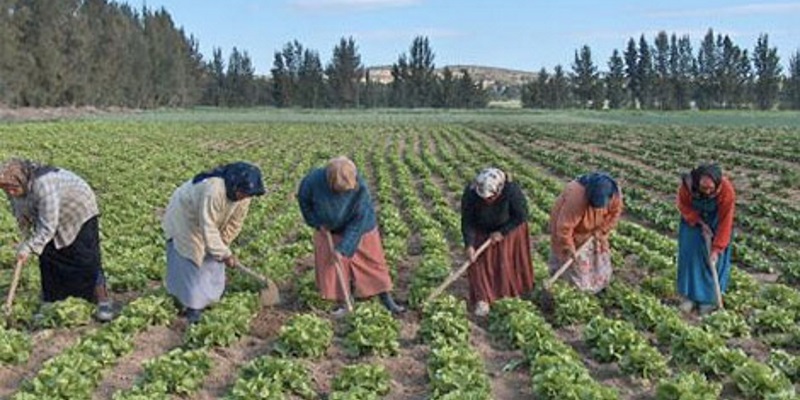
column 504, row 269
column 592, row 271
column 366, row 272
column 195, row 287
column 73, row 270
column 695, row 281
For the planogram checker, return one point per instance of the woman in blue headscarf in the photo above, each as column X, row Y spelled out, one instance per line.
column 589, row 206
column 203, row 217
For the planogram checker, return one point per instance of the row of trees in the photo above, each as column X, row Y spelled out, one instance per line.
column 667, row 75
column 95, row 52
column 299, row 79
column 104, row 53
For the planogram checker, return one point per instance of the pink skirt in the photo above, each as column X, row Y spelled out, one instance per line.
column 366, row 271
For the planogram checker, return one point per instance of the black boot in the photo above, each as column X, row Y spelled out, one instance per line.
column 388, row 302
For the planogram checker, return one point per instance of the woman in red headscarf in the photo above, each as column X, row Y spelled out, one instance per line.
column 494, row 208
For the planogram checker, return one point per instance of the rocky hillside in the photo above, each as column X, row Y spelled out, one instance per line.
column 491, row 76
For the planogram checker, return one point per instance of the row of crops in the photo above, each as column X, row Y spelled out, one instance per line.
column 632, row 342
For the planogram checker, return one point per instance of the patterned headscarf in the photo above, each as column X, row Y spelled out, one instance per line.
column 341, row 174
column 239, row 176
column 489, row 182
column 600, row 188
column 21, row 173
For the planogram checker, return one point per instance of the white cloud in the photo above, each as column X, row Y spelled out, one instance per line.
column 350, row 5
column 745, row 9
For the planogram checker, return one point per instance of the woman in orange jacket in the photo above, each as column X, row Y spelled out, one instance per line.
column 589, row 206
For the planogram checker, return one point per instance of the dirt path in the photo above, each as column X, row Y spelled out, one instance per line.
column 149, row 344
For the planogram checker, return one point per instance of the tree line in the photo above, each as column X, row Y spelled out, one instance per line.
column 95, row 52
column 669, row 75
column 103, row 53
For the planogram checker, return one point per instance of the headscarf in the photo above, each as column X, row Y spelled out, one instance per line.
column 711, row 170
column 341, row 174
column 239, row 176
column 20, row 172
column 489, row 182
column 600, row 188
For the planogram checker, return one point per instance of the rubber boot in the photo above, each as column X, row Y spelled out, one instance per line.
column 388, row 302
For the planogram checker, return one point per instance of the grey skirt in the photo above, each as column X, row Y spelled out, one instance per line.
column 195, row 287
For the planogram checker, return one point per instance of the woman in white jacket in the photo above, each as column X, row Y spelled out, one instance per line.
column 203, row 217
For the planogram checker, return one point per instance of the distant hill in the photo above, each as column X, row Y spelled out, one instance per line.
column 491, row 76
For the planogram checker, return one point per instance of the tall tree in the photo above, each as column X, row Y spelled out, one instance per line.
column 706, row 74
column 732, row 73
column 661, row 60
column 470, row 94
column 215, row 89
column 681, row 65
column 239, row 80
column 285, row 74
column 558, row 88
column 344, row 74
column 533, row 93
column 10, row 74
column 645, row 72
column 400, row 95
column 615, row 81
column 446, row 95
column 421, row 69
column 632, row 73
column 311, row 84
column 791, row 87
column 767, row 73
column 585, row 78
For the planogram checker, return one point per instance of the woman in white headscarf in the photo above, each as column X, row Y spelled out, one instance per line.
column 494, row 208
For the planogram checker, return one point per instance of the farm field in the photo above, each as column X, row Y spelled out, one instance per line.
column 630, row 343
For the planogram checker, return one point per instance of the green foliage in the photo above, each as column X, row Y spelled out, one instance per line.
column 305, row 335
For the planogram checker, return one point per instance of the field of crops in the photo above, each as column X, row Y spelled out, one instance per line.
column 630, row 343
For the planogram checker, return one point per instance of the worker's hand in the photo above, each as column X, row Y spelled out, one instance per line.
column 601, row 245
column 471, row 254
column 338, row 258
column 572, row 255
column 707, row 232
column 497, row 236
column 22, row 256
column 231, row 261
column 714, row 258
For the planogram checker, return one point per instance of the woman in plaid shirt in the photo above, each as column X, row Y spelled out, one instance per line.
column 57, row 214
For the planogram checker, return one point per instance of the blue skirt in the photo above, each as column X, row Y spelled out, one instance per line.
column 195, row 287
column 694, row 277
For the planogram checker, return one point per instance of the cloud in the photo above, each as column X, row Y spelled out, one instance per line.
column 745, row 9
column 349, row 5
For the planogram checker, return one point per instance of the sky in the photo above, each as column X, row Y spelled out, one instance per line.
column 515, row 34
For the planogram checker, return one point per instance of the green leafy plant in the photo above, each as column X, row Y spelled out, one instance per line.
column 67, row 313
column 372, row 330
column 267, row 378
column 726, row 324
column 757, row 380
column 305, row 335
column 361, row 381
column 688, row 386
